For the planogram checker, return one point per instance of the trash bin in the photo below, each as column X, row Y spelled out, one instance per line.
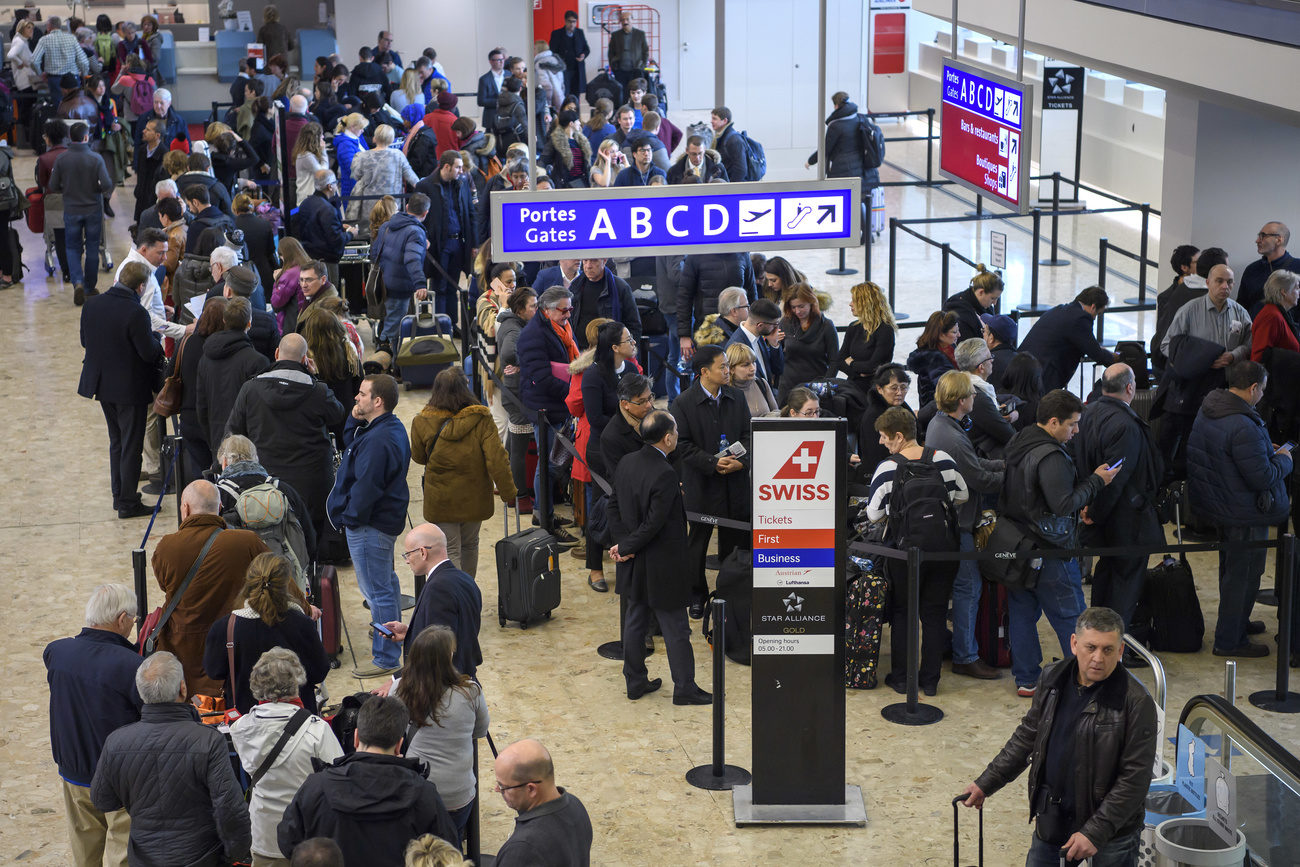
column 1163, row 803
column 1193, row 843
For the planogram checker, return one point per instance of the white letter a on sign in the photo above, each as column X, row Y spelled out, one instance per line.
column 602, row 226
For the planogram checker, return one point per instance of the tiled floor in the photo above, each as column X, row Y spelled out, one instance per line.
column 59, row 538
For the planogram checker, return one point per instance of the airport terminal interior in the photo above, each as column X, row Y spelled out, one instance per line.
column 1209, row 150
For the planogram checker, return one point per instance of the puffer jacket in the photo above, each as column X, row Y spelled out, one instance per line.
column 539, row 388
column 509, row 325
column 511, row 118
column 346, row 148
column 377, row 172
column 460, row 463
column 482, row 147
column 228, row 361
column 172, row 774
column 400, row 246
column 550, row 76
column 968, row 310
column 844, row 147
column 704, row 276
column 928, row 365
column 1054, row 491
column 319, row 228
column 1115, row 737
column 1232, row 470
column 254, row 735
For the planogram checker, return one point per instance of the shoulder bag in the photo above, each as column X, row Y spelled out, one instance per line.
column 167, row 402
column 291, row 728
column 155, row 622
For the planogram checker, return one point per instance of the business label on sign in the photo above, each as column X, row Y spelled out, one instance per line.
column 984, row 134
column 644, row 221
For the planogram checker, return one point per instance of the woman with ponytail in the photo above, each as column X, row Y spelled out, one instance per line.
column 274, row 614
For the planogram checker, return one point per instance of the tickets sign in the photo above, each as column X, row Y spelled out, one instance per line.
column 984, row 134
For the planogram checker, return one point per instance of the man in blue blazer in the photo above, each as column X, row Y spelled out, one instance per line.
column 450, row 597
column 121, row 370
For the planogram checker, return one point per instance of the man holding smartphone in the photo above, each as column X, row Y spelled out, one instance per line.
column 1123, row 513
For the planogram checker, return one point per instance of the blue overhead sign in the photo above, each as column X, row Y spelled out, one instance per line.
column 641, row 221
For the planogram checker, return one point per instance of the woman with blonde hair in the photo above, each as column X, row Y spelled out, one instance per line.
column 274, row 614
column 337, row 363
column 347, row 144
column 811, row 342
column 287, row 89
column 744, row 376
column 308, row 157
column 449, row 713
column 409, row 92
column 431, row 851
column 378, row 172
column 339, row 307
column 869, row 342
column 606, row 165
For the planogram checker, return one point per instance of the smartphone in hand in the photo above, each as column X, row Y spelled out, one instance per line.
column 383, row 630
column 1119, row 463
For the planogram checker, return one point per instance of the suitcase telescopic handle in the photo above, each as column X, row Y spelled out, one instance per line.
column 956, row 839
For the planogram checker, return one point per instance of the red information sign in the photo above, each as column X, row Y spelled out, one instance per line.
column 984, row 134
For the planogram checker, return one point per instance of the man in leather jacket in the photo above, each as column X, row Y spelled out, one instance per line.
column 1089, row 741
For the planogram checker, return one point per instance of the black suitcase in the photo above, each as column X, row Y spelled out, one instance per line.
column 528, row 574
column 605, row 86
column 1134, row 354
column 46, row 109
column 993, row 625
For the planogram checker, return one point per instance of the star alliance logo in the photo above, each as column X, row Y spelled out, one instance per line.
column 1062, row 83
column 793, row 603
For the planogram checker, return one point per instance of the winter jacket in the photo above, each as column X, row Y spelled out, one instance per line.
column 558, row 157
column 582, row 425
column 868, row 352
column 989, row 431
column 1123, row 513
column 376, row 173
column 982, row 476
column 460, row 464
column 482, row 147
column 228, row 361
column 400, row 246
column 1115, row 737
column 438, row 228
column 550, row 76
column 509, row 326
column 928, row 365
column 1273, row 326
column 1233, row 473
column 870, row 451
column 92, row 693
column 1250, row 290
column 218, row 194
column 226, row 167
column 616, row 302
column 704, row 277
column 440, row 120
column 172, row 774
column 81, row 176
column 287, row 294
column 727, row 142
column 658, row 150
column 372, row 805
column 253, row 637
column 319, row 228
column 346, row 148
column 510, row 123
column 968, row 310
column 1190, row 375
column 368, row 77
column 371, row 490
column 809, row 355
column 287, row 414
column 539, row 388
column 711, row 167
column 1035, row 495
column 845, row 148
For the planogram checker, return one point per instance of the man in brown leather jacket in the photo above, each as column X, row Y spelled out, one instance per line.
column 1090, row 741
column 77, row 105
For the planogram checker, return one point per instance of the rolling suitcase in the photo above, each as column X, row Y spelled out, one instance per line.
column 1170, row 604
column 1134, row 354
column 325, row 596
column 425, row 346
column 864, row 618
column 528, row 574
column 877, row 212
column 993, row 625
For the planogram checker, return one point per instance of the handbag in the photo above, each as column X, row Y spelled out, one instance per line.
column 167, row 402
column 154, row 623
column 1012, row 562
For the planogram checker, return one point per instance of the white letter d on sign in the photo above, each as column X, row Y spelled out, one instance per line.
column 710, row 211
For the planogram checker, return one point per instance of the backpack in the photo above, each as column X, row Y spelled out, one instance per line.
column 104, row 48
column 142, row 96
column 491, row 168
column 193, row 278
column 10, row 199
column 873, row 143
column 423, row 152
column 703, row 130
column 344, row 723
column 736, row 588
column 265, row 510
column 755, row 158
column 921, row 514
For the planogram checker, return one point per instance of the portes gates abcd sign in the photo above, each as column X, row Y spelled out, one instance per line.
column 985, row 134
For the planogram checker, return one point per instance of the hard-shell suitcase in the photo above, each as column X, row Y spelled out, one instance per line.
column 425, row 346
column 528, row 574
column 993, row 625
column 877, row 211
column 1134, row 354
column 325, row 596
column 864, row 618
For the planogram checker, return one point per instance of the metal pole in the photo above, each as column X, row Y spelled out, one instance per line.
column 943, row 279
column 1020, row 45
column 1103, row 246
column 867, row 241
column 1032, row 306
column 141, row 588
column 913, row 627
column 893, row 243
column 473, row 840
column 954, row 29
column 1230, row 681
column 929, row 146
column 1142, row 252
column 1280, row 699
column 1056, row 211
column 543, row 492
column 718, row 775
column 529, row 100
column 821, row 95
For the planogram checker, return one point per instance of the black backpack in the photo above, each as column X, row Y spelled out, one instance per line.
column 736, row 588
column 755, row 158
column 873, row 143
column 11, row 200
column 921, row 514
column 423, row 153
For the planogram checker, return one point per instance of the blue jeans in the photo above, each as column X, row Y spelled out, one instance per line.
column 372, row 558
column 460, row 818
column 1059, row 595
column 1119, row 852
column 965, row 606
column 83, row 232
column 394, row 310
column 674, row 355
column 1239, row 573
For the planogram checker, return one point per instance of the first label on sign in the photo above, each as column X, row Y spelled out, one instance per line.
column 643, row 221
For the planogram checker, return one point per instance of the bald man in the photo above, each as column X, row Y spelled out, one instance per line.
column 450, row 597
column 1124, row 512
column 1270, row 242
column 215, row 589
column 291, row 417
column 552, row 827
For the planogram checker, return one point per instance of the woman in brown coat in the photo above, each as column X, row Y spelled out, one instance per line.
column 456, row 440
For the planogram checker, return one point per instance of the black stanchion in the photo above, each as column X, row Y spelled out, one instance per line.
column 1103, row 248
column 979, row 207
column 141, row 588
column 1055, row 260
column 843, row 271
column 943, row 273
column 912, row 712
column 929, row 145
column 614, row 649
column 718, row 776
column 867, row 241
column 1280, row 699
column 1033, row 305
column 893, row 260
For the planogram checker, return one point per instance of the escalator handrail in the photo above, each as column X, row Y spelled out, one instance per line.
column 1260, row 740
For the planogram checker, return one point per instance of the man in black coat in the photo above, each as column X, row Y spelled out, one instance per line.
column 706, row 412
column 149, row 153
column 703, row 278
column 229, row 360
column 1000, row 333
column 121, row 370
column 726, row 141
column 845, row 149
column 450, row 226
column 648, row 521
column 1123, row 513
column 1270, row 243
column 373, row 802
column 570, row 45
column 210, row 225
column 319, row 225
column 599, row 294
column 198, row 173
column 263, row 332
column 450, row 598
column 1063, row 336
column 622, row 436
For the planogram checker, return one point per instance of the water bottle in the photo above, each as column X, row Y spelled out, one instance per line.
column 722, row 444
column 684, row 367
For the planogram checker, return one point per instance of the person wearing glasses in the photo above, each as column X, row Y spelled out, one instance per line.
column 598, row 293
column 745, row 378
column 552, row 826
column 1270, row 243
column 801, row 403
column 889, row 388
column 733, row 309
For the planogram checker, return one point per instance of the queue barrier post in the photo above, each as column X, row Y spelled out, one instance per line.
column 1055, row 260
column 929, row 145
column 912, row 712
column 842, row 270
column 1033, row 306
column 141, row 587
column 867, row 240
column 718, row 776
column 893, row 258
column 1280, row 699
column 943, row 278
column 1142, row 252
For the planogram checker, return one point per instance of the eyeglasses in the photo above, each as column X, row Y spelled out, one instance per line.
column 809, row 413
column 1263, row 235
column 564, row 310
column 628, row 342
column 500, row 788
column 895, row 388
column 406, row 555
column 643, row 401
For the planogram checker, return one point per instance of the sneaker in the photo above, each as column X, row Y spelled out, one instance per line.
column 564, row 539
column 1026, row 691
column 372, row 671
column 556, row 521
column 78, row 295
